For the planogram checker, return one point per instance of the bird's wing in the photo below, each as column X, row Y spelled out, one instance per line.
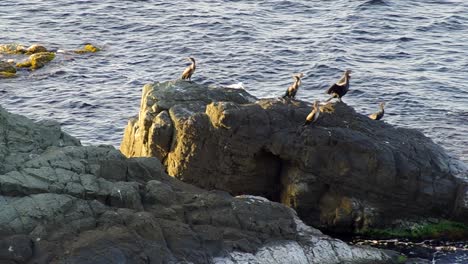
column 332, row 88
column 310, row 117
column 186, row 73
column 380, row 115
column 373, row 116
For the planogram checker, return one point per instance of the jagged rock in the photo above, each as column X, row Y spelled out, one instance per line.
column 346, row 172
column 66, row 203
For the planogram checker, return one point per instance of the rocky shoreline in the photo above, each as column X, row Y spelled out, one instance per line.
column 346, row 173
column 220, row 150
column 66, row 203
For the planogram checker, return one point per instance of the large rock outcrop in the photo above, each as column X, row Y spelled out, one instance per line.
column 61, row 202
column 346, row 172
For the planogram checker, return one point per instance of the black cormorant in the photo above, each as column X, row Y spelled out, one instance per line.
column 340, row 88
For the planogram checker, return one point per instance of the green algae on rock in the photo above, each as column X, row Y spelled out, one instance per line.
column 20, row 49
column 435, row 229
column 37, row 60
column 12, row 49
column 36, row 49
column 88, row 48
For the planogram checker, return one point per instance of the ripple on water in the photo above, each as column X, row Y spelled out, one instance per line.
column 410, row 55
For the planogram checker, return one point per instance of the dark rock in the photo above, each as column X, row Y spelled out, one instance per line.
column 347, row 172
column 16, row 248
column 61, row 202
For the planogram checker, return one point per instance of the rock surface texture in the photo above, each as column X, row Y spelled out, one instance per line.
column 346, row 172
column 61, row 202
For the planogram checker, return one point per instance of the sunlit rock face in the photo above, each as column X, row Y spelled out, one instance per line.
column 61, row 202
column 345, row 172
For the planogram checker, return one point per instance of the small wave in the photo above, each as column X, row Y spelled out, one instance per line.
column 371, row 3
column 406, row 39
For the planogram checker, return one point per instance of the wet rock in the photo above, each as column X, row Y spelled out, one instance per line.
column 346, row 173
column 37, row 60
column 12, row 49
column 36, row 49
column 66, row 203
column 88, row 48
column 7, row 70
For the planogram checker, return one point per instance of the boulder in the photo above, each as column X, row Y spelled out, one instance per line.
column 346, row 172
column 66, row 203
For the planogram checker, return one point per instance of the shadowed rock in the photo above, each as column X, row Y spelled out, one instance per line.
column 61, row 202
column 347, row 172
column 7, row 70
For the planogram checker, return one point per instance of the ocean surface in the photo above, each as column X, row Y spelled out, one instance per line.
column 413, row 55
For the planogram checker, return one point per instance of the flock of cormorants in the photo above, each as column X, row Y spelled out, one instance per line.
column 337, row 90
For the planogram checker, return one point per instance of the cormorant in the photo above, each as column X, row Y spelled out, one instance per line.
column 292, row 90
column 340, row 88
column 378, row 115
column 187, row 74
column 314, row 115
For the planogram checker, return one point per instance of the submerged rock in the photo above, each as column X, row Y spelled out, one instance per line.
column 12, row 49
column 7, row 70
column 346, row 173
column 20, row 49
column 66, row 203
column 88, row 48
column 36, row 49
column 37, row 60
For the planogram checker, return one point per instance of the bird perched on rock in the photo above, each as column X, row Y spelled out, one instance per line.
column 187, row 74
column 340, row 88
column 292, row 90
column 378, row 115
column 314, row 115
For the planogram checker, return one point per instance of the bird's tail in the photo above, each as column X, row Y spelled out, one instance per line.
column 306, row 123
